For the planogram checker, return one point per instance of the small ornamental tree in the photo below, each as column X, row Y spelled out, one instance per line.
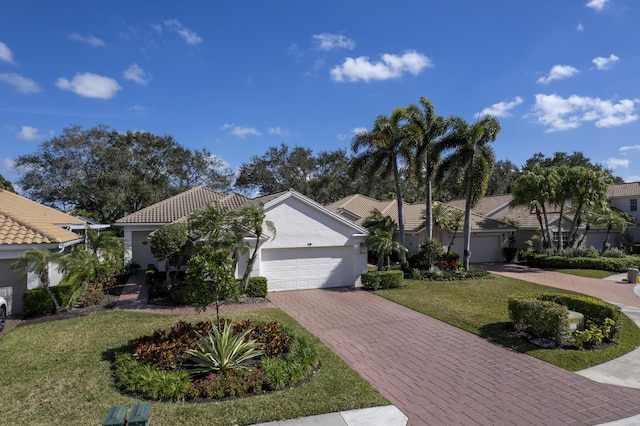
column 168, row 243
column 210, row 279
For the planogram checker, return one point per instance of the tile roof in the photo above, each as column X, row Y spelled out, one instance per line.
column 23, row 221
column 624, row 190
column 358, row 207
column 180, row 206
column 486, row 205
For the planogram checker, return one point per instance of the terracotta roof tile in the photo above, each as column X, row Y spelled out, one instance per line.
column 624, row 190
column 183, row 205
column 23, row 221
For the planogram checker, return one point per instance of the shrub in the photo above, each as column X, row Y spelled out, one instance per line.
column 221, row 350
column 301, row 359
column 430, row 251
column 615, row 253
column 257, row 287
column 272, row 337
column 37, row 302
column 226, row 383
column 545, row 315
column 559, row 262
column 93, row 296
column 133, row 376
column 382, row 280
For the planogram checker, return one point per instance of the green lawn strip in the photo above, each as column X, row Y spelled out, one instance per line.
column 480, row 307
column 60, row 373
column 587, row 273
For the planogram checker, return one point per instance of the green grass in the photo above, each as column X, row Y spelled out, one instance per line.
column 60, row 373
column 587, row 273
column 480, row 307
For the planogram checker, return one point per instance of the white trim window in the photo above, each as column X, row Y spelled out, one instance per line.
column 565, row 238
column 633, row 204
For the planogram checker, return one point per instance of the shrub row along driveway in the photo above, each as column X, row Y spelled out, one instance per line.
column 438, row 374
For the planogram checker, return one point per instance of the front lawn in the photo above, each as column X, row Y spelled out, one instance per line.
column 480, row 307
column 59, row 372
column 587, row 273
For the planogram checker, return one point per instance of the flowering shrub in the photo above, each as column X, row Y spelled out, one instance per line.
column 227, row 382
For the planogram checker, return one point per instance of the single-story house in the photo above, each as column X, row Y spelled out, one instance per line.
column 488, row 236
column 624, row 197
column 24, row 225
column 312, row 247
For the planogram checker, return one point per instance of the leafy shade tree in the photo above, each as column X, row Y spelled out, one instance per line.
column 6, row 185
column 576, row 159
column 109, row 173
column 210, row 279
column 502, row 178
column 253, row 218
column 425, row 163
column 382, row 148
column 280, row 169
column 38, row 262
column 474, row 158
column 380, row 240
column 168, row 243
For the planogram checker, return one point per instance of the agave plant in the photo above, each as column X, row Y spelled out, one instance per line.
column 218, row 350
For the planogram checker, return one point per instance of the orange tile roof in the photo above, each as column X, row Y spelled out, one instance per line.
column 23, row 221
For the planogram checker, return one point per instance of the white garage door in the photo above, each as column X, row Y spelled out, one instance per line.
column 303, row 268
column 485, row 248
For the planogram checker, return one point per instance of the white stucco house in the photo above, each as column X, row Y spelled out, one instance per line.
column 312, row 247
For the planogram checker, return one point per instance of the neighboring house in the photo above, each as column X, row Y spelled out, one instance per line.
column 488, row 236
column 24, row 225
column 312, row 248
column 498, row 207
column 624, row 197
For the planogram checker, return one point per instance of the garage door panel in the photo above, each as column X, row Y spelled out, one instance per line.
column 292, row 269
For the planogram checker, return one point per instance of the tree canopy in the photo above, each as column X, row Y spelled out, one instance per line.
column 6, row 185
column 111, row 174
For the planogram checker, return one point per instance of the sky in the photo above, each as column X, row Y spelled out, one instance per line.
column 239, row 77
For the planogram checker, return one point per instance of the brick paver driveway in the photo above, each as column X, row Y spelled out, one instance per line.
column 440, row 375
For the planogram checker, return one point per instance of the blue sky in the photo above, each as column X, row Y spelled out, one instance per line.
column 238, row 77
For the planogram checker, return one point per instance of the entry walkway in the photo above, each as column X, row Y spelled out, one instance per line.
column 440, row 375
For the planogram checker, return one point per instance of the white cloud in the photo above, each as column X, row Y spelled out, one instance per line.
column 614, row 163
column 5, row 53
column 630, row 148
column 6, row 166
column 277, row 131
column 597, row 5
column 580, row 27
column 28, row 133
column 558, row 72
column 21, row 84
column 240, row 131
column 354, row 131
column 89, row 39
column 501, row 109
column 327, row 41
column 557, row 113
column 190, row 37
column 391, row 66
column 632, row 178
column 90, row 85
column 605, row 63
column 137, row 74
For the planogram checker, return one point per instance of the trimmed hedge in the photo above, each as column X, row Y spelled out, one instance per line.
column 36, row 302
column 561, row 262
column 382, row 280
column 257, row 287
column 546, row 315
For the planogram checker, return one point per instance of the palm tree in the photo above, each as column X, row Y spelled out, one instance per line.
column 474, row 158
column 380, row 240
column 252, row 218
column 385, row 145
column 81, row 268
column 38, row 261
column 431, row 128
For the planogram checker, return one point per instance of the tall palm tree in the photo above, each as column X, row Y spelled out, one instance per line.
column 385, row 146
column 431, row 128
column 38, row 261
column 474, row 158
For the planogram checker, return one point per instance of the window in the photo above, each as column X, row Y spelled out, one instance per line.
column 565, row 238
column 633, row 204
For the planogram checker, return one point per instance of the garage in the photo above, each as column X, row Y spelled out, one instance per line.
column 484, row 248
column 307, row 267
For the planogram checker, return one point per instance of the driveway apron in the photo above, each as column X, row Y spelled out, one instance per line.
column 440, row 375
